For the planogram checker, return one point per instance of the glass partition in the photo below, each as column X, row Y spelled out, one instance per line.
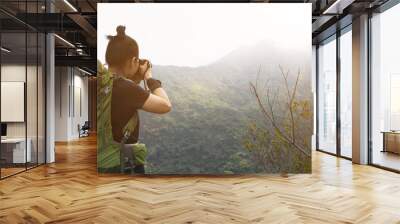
column 22, row 91
column 327, row 96
column 14, row 153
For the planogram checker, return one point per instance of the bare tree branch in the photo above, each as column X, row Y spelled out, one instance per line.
column 289, row 102
column 274, row 124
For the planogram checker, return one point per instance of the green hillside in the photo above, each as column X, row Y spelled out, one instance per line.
column 204, row 131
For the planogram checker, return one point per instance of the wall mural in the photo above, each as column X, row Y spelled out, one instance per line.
column 204, row 88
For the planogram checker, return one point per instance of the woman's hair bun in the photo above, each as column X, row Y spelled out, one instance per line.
column 120, row 30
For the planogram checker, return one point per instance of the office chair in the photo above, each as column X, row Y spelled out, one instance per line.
column 84, row 130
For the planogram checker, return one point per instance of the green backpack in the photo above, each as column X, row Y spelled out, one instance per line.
column 110, row 153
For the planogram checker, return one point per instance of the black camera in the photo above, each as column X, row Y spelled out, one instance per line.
column 142, row 71
column 144, row 61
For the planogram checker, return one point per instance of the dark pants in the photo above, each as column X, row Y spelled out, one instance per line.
column 139, row 169
column 129, row 161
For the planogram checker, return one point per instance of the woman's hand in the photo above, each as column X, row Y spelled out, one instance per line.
column 147, row 74
column 145, row 70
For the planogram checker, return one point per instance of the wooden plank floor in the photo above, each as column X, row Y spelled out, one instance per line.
column 70, row 191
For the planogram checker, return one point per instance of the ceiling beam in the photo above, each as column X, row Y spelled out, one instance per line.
column 76, row 61
column 337, row 6
column 85, row 25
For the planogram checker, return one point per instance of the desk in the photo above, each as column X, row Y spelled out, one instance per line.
column 15, row 148
column 391, row 141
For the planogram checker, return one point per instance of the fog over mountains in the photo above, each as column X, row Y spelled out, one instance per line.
column 212, row 107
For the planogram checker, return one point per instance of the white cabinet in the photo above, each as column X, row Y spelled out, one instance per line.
column 18, row 149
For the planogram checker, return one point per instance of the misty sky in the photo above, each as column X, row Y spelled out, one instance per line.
column 198, row 34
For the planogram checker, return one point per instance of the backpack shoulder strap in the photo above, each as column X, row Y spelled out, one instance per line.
column 129, row 128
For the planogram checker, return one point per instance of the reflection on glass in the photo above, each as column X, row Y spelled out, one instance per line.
column 327, row 97
column 346, row 94
column 14, row 153
column 385, row 84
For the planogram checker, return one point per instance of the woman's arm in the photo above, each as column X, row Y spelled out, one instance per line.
column 158, row 101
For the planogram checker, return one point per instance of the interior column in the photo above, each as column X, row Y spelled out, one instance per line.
column 360, row 90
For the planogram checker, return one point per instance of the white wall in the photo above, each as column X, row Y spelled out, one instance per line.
column 70, row 83
column 79, row 117
column 62, row 81
column 13, row 73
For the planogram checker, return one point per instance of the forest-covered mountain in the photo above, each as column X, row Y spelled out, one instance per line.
column 212, row 108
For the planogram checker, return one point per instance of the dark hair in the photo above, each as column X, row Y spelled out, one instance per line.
column 120, row 48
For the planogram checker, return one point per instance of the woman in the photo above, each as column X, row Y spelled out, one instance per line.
column 122, row 58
